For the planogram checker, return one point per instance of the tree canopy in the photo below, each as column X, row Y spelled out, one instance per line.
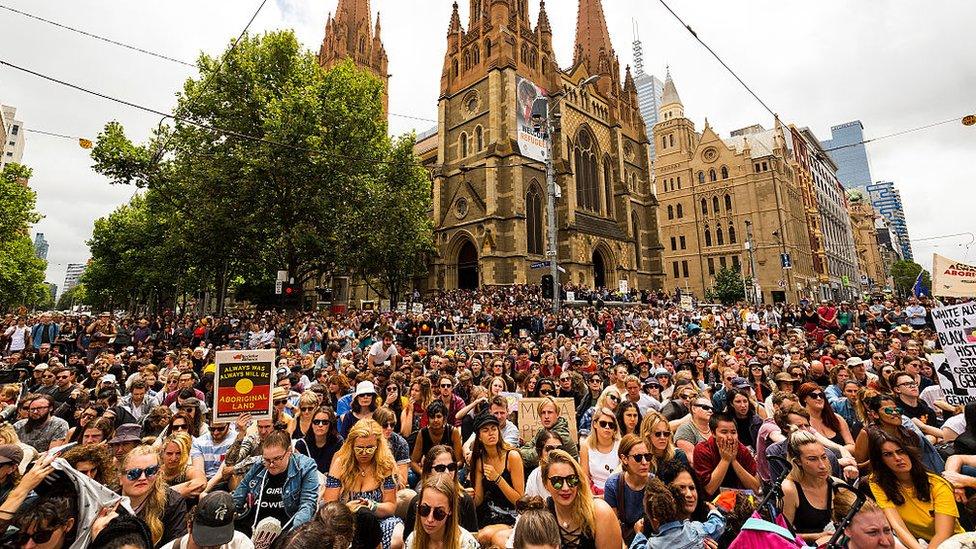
column 272, row 164
column 21, row 271
column 904, row 273
column 728, row 287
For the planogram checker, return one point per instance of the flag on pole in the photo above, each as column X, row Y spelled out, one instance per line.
column 918, row 290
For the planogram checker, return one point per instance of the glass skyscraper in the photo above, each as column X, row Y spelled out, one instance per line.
column 886, row 200
column 849, row 154
column 649, row 92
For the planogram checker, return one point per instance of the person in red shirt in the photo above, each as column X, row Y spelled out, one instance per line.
column 828, row 316
column 724, row 462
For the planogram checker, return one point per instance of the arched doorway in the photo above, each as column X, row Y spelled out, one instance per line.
column 467, row 266
column 599, row 270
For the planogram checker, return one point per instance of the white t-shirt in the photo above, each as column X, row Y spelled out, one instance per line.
column 602, row 465
column 239, row 541
column 956, row 424
column 380, row 356
column 18, row 337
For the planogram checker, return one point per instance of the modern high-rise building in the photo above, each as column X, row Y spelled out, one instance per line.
column 73, row 275
column 846, row 149
column 650, row 91
column 886, row 200
column 13, row 146
column 40, row 246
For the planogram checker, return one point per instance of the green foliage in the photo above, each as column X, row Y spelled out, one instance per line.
column 21, row 272
column 17, row 201
column 303, row 194
column 74, row 296
column 728, row 287
column 904, row 273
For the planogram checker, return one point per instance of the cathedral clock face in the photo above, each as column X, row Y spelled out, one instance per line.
column 461, row 208
column 710, row 155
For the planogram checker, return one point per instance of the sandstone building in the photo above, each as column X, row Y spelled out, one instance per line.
column 349, row 34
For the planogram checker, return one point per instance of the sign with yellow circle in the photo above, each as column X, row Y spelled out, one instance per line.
column 243, row 384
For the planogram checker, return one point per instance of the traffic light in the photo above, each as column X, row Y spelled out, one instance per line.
column 547, row 286
column 291, row 295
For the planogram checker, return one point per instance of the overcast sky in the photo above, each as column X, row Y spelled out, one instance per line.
column 893, row 64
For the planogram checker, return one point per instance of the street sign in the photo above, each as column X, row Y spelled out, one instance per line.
column 278, row 285
column 785, row 261
column 845, row 281
column 540, row 265
column 282, row 276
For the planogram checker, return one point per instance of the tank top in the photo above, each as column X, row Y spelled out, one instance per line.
column 571, row 539
column 601, row 465
column 428, row 441
column 809, row 519
column 297, row 432
column 494, row 497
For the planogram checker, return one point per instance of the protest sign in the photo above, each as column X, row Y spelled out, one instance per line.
column 384, row 305
column 956, row 325
column 686, row 303
column 513, row 400
column 242, row 384
column 528, row 416
column 952, row 278
column 418, row 308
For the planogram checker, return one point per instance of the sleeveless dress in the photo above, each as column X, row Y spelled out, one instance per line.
column 389, row 523
column 808, row 519
column 495, row 507
column 571, row 539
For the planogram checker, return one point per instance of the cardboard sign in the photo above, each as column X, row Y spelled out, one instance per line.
column 952, row 278
column 956, row 325
column 418, row 308
column 528, row 417
column 242, row 384
column 476, row 308
column 686, row 303
column 384, row 305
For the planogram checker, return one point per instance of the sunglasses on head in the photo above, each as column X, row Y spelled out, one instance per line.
column 136, row 474
column 569, row 480
column 442, row 468
column 425, row 510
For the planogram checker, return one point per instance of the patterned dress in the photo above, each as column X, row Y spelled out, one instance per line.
column 389, row 523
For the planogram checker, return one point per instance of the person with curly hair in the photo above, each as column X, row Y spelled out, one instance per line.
column 96, row 461
column 363, row 474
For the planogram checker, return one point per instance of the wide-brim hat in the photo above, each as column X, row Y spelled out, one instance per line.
column 365, row 388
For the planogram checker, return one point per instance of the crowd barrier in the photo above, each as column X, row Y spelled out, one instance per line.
column 478, row 340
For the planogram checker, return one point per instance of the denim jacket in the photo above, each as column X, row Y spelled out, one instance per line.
column 685, row 534
column 300, row 493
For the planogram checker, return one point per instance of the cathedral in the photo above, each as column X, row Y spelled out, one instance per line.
column 486, row 158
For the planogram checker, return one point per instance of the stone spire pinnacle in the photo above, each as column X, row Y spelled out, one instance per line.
column 455, row 25
column 593, row 46
column 543, row 24
column 670, row 94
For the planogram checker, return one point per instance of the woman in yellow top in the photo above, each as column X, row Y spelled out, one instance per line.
column 918, row 504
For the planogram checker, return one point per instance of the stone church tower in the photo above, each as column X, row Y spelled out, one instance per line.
column 489, row 195
column 350, row 34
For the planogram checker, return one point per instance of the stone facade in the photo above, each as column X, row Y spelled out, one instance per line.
column 350, row 35
column 489, row 197
column 714, row 192
column 870, row 260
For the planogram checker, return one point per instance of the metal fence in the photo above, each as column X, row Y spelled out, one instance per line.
column 478, row 340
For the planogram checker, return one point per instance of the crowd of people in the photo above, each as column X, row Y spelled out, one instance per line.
column 644, row 425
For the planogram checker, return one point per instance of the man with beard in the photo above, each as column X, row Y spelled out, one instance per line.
column 40, row 428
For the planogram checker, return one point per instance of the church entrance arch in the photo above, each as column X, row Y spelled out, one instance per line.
column 467, row 266
column 599, row 269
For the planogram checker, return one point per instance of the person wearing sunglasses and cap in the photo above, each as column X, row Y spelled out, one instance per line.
column 211, row 525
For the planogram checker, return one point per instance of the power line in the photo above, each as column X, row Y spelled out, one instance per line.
column 97, row 37
column 53, row 134
column 715, row 55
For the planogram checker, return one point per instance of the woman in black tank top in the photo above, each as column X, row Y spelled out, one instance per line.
column 808, row 490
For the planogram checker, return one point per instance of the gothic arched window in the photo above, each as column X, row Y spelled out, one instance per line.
column 715, row 204
column 725, row 172
column 728, row 203
column 533, row 220
column 487, row 48
column 701, row 177
column 670, row 211
column 455, row 64
column 608, row 184
column 708, row 237
column 704, row 206
column 463, row 143
column 587, row 180
column 711, row 174
column 635, row 223
column 475, row 54
column 680, row 212
column 479, row 138
column 731, row 234
column 719, row 238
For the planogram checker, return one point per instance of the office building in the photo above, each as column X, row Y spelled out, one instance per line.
column 40, row 246
column 72, row 276
column 13, row 145
column 849, row 154
column 886, row 200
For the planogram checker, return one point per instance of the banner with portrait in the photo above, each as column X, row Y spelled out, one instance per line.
column 530, row 142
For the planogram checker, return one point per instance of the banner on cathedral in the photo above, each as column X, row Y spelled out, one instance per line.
column 530, row 142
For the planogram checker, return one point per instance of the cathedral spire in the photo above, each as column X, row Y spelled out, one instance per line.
column 455, row 24
column 670, row 94
column 349, row 34
column 593, row 46
column 543, row 24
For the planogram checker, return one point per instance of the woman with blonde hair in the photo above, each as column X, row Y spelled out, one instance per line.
column 176, row 470
column 160, row 507
column 308, row 402
column 584, row 520
column 808, row 490
column 8, row 435
column 609, row 399
column 437, row 517
column 362, row 474
column 656, row 432
column 598, row 451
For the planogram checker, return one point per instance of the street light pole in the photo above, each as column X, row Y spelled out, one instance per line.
column 752, row 262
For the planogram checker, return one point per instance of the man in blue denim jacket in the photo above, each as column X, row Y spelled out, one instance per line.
column 284, row 485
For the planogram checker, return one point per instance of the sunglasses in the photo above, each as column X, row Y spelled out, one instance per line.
column 308, row 409
column 816, row 396
column 569, row 480
column 707, row 407
column 892, row 410
column 425, row 510
column 446, row 385
column 136, row 474
column 365, row 450
column 614, row 397
column 321, row 422
column 180, row 427
column 640, row 458
column 389, row 425
column 661, row 434
column 607, row 424
column 39, row 537
column 450, row 467
column 545, row 392
column 280, row 402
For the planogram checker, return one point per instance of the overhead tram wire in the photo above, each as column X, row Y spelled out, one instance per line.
column 97, row 37
column 895, row 134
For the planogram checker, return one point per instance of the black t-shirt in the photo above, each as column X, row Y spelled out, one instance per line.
column 272, row 504
column 920, row 411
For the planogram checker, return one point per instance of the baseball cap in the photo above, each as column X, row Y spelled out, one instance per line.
column 11, row 453
column 213, row 520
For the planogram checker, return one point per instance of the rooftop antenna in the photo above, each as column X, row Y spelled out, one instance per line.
column 638, row 50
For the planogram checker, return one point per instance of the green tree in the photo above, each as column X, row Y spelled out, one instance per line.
column 397, row 234
column 21, row 272
column 72, row 297
column 904, row 273
column 283, row 180
column 728, row 287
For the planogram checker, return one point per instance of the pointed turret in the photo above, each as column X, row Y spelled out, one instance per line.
column 629, row 81
column 543, row 26
column 593, row 46
column 376, row 35
column 455, row 25
column 671, row 106
column 349, row 34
